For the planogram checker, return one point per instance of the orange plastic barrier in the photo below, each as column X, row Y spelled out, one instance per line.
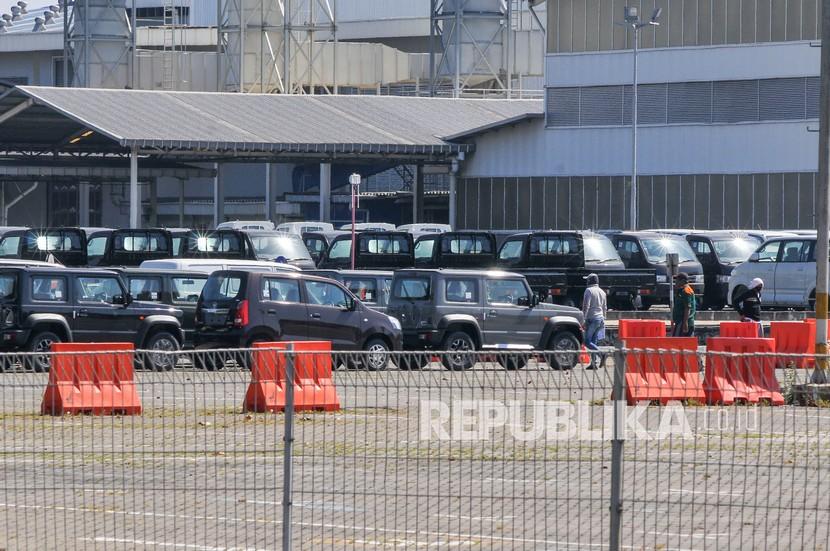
column 584, row 356
column 747, row 377
column 94, row 378
column 794, row 337
column 641, row 328
column 733, row 329
column 313, row 385
column 669, row 374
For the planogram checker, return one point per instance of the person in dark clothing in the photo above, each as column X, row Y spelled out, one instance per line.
column 748, row 304
column 685, row 305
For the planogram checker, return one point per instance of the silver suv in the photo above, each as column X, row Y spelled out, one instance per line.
column 464, row 310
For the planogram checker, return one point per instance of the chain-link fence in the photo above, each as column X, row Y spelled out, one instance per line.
column 430, row 450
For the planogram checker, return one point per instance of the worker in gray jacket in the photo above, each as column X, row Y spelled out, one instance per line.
column 594, row 309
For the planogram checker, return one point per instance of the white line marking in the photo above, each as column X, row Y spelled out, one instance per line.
column 166, row 544
column 477, row 519
column 682, row 491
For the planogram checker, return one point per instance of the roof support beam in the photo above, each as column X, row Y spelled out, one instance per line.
column 19, row 108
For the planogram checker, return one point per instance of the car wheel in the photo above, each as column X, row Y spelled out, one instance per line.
column 414, row 361
column 376, row 355
column 160, row 348
column 459, row 347
column 563, row 350
column 512, row 362
column 42, row 343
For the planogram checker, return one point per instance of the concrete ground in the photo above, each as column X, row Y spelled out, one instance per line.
column 194, row 472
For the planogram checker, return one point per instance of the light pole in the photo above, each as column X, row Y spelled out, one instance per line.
column 632, row 20
column 354, row 181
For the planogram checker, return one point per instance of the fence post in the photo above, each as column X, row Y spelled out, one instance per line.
column 288, row 440
column 617, row 440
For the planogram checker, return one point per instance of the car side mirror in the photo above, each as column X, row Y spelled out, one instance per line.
column 350, row 306
column 754, row 257
column 119, row 299
column 524, row 301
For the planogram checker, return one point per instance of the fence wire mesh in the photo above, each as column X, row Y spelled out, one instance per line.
column 426, row 450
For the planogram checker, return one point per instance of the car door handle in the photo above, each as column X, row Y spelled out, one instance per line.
column 82, row 313
column 493, row 313
column 271, row 312
column 315, row 316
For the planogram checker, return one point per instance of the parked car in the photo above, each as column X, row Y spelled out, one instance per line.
column 40, row 306
column 377, row 250
column 788, row 267
column 369, row 226
column 130, row 247
column 719, row 252
column 216, row 244
column 300, row 228
column 466, row 310
column 417, row 230
column 556, row 263
column 210, row 265
column 66, row 245
column 648, row 250
column 372, row 287
column 246, row 225
column 276, row 246
column 238, row 309
column 177, row 289
column 462, row 249
column 318, row 243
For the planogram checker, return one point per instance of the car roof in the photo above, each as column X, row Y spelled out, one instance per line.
column 455, row 272
column 525, row 233
column 274, row 233
column 62, row 269
column 290, row 275
column 649, row 233
column 376, row 273
column 736, row 234
column 148, row 271
column 160, row 263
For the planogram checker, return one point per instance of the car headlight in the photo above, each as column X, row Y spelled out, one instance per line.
column 662, row 278
column 723, row 278
column 395, row 323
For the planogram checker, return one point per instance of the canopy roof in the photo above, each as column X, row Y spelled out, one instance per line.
column 201, row 125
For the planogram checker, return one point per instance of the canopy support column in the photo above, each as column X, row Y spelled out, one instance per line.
column 135, row 200
column 325, row 192
column 418, row 194
column 218, row 196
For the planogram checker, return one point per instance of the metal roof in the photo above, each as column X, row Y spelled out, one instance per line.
column 184, row 123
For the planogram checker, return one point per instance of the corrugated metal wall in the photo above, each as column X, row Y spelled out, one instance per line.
column 707, row 201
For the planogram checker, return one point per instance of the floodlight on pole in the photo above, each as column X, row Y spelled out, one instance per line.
column 631, row 18
column 354, row 183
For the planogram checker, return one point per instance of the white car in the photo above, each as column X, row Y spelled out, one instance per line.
column 788, row 267
column 299, row 228
column 210, row 265
column 246, row 225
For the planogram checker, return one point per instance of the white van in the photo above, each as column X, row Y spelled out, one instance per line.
column 421, row 229
column 369, row 226
column 299, row 228
column 246, row 225
column 210, row 265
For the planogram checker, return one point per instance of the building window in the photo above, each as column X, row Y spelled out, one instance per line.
column 686, row 103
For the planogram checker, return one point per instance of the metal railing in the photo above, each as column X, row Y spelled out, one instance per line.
column 537, row 456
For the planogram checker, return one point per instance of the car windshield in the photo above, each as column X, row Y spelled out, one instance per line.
column 600, row 249
column 54, row 241
column 341, row 249
column 466, row 245
column 148, row 242
column 222, row 287
column 383, row 245
column 423, row 248
column 289, row 247
column 733, row 251
column 215, row 243
column 657, row 249
column 7, row 286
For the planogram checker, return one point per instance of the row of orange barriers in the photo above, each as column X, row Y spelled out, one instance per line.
column 97, row 379
column 740, row 366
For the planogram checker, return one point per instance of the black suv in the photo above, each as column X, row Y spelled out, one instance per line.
column 466, row 310
column 238, row 308
column 42, row 306
column 174, row 288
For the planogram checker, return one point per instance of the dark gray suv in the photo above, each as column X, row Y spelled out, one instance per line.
column 466, row 310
